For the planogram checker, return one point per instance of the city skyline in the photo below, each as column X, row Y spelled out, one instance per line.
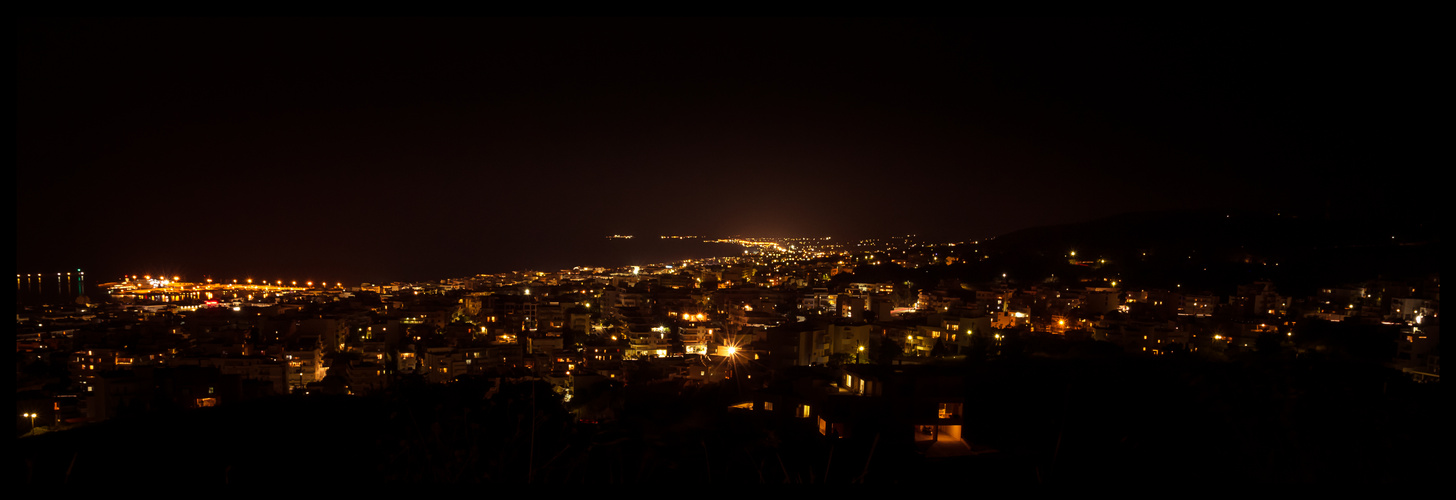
column 1009, row 251
column 925, row 357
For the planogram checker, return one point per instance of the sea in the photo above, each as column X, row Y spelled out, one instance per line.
column 52, row 286
column 609, row 253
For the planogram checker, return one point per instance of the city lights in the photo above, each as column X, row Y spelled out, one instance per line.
column 838, row 206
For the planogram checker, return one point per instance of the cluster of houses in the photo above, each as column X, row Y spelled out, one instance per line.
column 744, row 320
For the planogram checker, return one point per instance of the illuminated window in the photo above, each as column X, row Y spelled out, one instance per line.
column 949, row 410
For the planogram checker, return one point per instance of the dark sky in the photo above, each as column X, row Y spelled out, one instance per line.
column 418, row 149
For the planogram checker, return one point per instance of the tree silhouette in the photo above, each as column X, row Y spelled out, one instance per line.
column 886, row 350
column 939, row 349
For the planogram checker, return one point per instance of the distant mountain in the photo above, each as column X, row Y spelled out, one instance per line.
column 1217, row 250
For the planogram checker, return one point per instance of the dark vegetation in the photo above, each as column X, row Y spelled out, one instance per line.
column 1093, row 417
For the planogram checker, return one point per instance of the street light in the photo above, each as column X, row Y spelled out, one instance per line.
column 32, row 418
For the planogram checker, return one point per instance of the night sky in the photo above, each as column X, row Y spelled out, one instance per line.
column 426, row 149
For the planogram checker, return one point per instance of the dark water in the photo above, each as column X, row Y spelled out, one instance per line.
column 639, row 251
column 539, row 255
column 52, row 286
column 603, row 252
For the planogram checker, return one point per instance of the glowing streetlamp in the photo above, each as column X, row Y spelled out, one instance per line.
column 31, row 416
